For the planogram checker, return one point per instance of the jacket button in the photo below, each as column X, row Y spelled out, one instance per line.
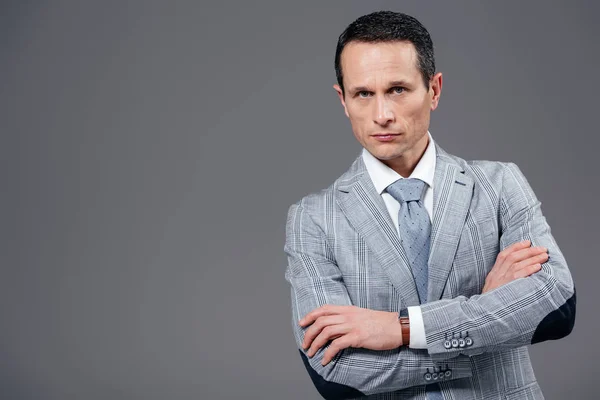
column 455, row 343
column 461, row 342
column 447, row 344
column 427, row 376
column 448, row 373
column 469, row 341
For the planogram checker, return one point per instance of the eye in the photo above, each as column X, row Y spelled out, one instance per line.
column 397, row 89
column 363, row 94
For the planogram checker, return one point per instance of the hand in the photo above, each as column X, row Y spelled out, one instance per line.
column 350, row 326
column 516, row 261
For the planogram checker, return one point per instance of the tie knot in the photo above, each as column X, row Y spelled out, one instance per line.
column 405, row 190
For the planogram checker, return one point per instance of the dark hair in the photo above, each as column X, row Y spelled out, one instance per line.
column 388, row 26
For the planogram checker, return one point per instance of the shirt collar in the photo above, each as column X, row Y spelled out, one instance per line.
column 383, row 176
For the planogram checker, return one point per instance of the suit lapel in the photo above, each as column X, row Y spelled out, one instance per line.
column 367, row 213
column 452, row 193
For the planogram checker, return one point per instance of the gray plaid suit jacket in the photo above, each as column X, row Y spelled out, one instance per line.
column 343, row 249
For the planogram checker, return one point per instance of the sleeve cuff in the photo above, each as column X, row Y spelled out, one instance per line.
column 417, row 328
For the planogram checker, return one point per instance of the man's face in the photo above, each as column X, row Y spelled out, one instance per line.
column 385, row 94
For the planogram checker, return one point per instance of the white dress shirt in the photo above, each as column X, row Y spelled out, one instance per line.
column 383, row 176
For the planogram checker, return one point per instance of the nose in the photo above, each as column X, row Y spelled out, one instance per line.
column 383, row 112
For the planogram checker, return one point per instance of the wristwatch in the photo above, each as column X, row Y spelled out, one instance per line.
column 405, row 326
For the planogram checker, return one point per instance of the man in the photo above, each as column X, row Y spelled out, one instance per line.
column 417, row 274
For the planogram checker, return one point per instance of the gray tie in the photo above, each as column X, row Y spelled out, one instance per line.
column 415, row 228
column 415, row 233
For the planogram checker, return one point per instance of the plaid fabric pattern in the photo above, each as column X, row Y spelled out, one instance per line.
column 342, row 248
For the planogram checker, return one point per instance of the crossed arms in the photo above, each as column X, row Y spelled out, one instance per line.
column 371, row 359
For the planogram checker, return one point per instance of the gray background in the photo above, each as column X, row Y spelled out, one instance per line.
column 150, row 151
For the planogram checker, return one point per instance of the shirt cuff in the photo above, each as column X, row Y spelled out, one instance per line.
column 417, row 328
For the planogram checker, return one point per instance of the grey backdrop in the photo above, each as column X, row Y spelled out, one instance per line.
column 150, row 151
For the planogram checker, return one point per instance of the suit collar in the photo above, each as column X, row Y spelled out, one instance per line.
column 451, row 202
column 365, row 209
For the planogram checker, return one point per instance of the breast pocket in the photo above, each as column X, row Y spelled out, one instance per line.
column 490, row 239
column 488, row 228
column 475, row 256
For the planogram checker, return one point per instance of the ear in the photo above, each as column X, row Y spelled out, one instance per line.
column 435, row 90
column 340, row 94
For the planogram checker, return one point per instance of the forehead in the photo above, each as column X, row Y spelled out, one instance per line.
column 366, row 63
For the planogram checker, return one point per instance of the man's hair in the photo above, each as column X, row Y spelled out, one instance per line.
column 388, row 26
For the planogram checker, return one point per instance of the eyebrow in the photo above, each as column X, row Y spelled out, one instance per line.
column 391, row 84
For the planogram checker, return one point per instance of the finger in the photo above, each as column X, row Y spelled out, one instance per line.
column 527, row 271
column 317, row 327
column 521, row 255
column 336, row 346
column 327, row 309
column 516, row 246
column 538, row 259
column 519, row 245
column 512, row 248
column 329, row 333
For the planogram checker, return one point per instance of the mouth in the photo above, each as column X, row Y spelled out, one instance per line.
column 385, row 136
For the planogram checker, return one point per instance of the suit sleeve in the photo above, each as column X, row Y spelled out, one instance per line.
column 525, row 311
column 316, row 280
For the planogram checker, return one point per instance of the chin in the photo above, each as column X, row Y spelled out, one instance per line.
column 386, row 154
